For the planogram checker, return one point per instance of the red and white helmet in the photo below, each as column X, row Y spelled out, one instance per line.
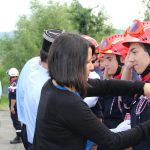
column 93, row 41
column 113, row 45
column 13, row 72
column 137, row 32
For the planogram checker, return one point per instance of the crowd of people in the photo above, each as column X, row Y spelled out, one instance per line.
column 81, row 95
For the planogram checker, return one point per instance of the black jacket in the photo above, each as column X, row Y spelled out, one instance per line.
column 65, row 122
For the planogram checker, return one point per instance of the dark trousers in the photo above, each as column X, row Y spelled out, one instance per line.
column 24, row 137
column 30, row 146
column 16, row 123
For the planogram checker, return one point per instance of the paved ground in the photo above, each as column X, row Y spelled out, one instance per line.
column 7, row 133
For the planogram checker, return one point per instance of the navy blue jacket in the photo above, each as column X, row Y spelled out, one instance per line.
column 140, row 112
column 111, row 111
column 12, row 91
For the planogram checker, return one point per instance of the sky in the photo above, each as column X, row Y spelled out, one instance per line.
column 121, row 12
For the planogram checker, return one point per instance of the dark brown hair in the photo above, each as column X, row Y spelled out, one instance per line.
column 146, row 47
column 67, row 61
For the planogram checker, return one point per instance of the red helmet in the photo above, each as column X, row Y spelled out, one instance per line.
column 93, row 41
column 113, row 45
column 138, row 32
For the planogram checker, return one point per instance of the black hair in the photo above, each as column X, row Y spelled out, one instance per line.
column 67, row 61
column 118, row 58
column 120, row 64
column 146, row 47
column 48, row 38
column 44, row 50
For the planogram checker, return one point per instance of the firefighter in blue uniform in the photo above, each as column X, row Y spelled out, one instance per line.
column 137, row 39
column 114, row 55
column 13, row 74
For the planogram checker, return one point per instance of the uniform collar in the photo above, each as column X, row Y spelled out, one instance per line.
column 145, row 76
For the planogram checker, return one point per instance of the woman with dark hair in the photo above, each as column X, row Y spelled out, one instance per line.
column 64, row 121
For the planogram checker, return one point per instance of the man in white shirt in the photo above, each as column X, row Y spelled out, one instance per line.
column 31, row 80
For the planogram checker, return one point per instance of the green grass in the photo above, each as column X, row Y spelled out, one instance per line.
column 4, row 103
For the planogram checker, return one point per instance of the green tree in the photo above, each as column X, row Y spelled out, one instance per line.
column 26, row 40
column 147, row 11
column 86, row 22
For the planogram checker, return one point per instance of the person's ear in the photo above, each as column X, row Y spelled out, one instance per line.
column 122, row 60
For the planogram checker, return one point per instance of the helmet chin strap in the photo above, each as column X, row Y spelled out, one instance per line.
column 146, row 71
column 145, row 76
column 118, row 71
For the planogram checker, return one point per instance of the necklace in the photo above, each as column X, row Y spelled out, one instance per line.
column 141, row 105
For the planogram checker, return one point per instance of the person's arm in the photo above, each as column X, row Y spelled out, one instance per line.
column 12, row 107
column 117, row 88
column 13, row 97
column 20, row 93
column 78, row 118
column 126, row 74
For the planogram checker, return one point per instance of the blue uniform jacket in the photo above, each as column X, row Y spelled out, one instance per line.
column 12, row 91
column 140, row 112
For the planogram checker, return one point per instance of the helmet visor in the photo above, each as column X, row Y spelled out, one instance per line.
column 135, row 28
column 105, row 44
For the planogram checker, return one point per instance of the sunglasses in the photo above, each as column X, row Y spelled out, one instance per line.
column 137, row 28
column 109, row 43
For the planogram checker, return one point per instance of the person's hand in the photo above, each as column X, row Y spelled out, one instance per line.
column 12, row 110
column 128, row 64
column 147, row 90
column 123, row 126
column 106, row 75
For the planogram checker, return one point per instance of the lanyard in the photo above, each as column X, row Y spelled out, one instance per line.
column 141, row 105
column 65, row 89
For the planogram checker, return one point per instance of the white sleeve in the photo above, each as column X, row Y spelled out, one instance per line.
column 123, row 126
column 93, row 75
column 91, row 101
column 21, row 86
